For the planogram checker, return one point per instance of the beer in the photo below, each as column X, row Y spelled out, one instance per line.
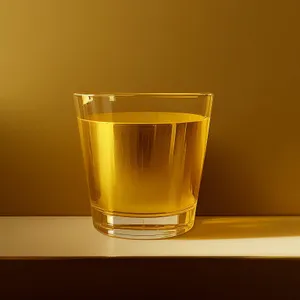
column 143, row 164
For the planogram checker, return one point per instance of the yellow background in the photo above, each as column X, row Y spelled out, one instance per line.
column 246, row 52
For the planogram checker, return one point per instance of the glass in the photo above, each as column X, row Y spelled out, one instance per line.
column 143, row 155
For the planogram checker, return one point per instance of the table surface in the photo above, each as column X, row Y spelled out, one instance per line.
column 48, row 237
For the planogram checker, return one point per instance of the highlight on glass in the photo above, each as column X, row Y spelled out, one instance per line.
column 143, row 156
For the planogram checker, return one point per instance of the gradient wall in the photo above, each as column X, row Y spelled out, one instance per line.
column 246, row 52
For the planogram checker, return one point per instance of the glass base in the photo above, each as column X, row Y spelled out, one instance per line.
column 143, row 227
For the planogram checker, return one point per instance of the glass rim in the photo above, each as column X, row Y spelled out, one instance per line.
column 142, row 94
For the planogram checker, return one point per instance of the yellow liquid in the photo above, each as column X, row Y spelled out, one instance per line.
column 143, row 162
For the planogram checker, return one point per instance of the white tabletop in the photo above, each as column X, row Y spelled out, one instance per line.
column 211, row 236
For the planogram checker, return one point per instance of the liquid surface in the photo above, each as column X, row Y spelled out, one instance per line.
column 143, row 162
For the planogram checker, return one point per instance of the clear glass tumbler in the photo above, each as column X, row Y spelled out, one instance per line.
column 143, row 155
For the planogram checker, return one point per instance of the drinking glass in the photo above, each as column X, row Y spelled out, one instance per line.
column 143, row 156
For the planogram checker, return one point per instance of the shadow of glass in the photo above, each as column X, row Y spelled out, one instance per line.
column 243, row 227
column 230, row 175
